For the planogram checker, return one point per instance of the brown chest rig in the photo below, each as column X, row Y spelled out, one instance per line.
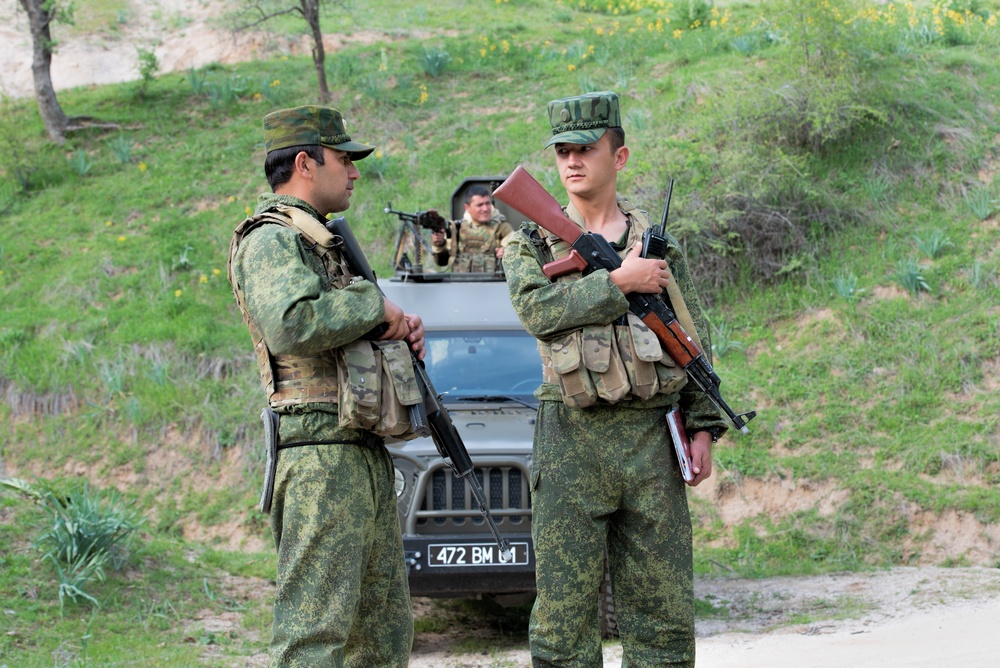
column 371, row 382
column 609, row 363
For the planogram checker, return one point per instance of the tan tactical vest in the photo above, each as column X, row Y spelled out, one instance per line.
column 478, row 246
column 613, row 362
column 372, row 382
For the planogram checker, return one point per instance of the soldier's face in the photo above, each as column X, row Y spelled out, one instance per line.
column 587, row 168
column 334, row 181
column 480, row 208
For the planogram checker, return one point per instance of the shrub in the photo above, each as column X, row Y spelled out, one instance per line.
column 86, row 531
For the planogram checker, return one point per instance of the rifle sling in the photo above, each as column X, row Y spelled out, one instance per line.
column 681, row 310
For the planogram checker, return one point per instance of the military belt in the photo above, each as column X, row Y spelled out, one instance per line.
column 273, row 445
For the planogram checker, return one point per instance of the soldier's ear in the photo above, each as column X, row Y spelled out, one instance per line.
column 621, row 157
column 303, row 165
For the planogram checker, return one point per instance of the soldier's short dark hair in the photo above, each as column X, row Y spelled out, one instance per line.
column 280, row 163
column 616, row 137
column 477, row 191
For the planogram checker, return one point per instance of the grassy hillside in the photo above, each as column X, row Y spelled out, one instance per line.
column 835, row 191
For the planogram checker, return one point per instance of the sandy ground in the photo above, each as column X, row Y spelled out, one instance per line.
column 910, row 617
column 180, row 33
column 183, row 34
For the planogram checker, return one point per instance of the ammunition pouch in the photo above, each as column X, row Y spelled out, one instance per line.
column 610, row 363
column 377, row 385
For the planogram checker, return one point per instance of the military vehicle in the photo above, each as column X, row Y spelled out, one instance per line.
column 485, row 367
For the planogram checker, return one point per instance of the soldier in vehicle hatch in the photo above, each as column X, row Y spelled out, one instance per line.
column 475, row 244
column 604, row 474
column 342, row 597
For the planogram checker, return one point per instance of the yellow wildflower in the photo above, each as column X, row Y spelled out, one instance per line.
column 121, row 238
column 216, row 272
column 275, row 83
column 108, row 223
column 203, row 279
column 178, row 293
column 571, row 67
column 143, row 166
column 248, row 210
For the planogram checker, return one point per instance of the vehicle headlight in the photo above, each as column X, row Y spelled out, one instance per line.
column 400, row 484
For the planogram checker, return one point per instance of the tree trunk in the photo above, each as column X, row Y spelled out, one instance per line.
column 310, row 9
column 40, row 15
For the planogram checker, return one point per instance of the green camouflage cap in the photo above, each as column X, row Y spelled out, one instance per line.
column 582, row 119
column 311, row 125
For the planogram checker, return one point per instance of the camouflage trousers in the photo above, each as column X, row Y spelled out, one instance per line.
column 606, row 477
column 342, row 596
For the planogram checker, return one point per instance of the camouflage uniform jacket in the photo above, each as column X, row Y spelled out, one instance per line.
column 477, row 244
column 551, row 309
column 290, row 301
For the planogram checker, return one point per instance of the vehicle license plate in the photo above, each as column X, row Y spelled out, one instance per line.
column 475, row 554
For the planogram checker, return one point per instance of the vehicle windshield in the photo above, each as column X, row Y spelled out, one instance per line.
column 476, row 363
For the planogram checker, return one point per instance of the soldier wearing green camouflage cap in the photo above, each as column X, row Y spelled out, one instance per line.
column 583, row 119
column 604, row 477
column 308, row 126
column 342, row 597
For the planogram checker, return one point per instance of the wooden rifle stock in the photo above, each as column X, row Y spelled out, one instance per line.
column 681, row 347
column 591, row 251
column 523, row 193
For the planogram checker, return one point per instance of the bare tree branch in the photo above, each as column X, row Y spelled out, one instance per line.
column 255, row 13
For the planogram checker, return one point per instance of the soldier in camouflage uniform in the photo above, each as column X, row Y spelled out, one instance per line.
column 475, row 245
column 342, row 597
column 604, row 474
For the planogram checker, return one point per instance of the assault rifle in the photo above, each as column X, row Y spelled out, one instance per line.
column 592, row 252
column 409, row 228
column 429, row 418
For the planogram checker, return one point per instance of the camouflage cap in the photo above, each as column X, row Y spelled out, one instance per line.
column 582, row 119
column 311, row 125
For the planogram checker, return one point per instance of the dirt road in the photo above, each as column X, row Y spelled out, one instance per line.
column 912, row 617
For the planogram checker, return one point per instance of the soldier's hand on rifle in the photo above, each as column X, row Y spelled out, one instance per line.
column 638, row 274
column 437, row 237
column 416, row 336
column 701, row 457
column 399, row 328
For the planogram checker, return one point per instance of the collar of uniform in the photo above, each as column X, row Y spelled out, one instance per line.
column 271, row 201
column 574, row 214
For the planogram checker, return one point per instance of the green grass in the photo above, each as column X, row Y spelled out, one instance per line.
column 124, row 362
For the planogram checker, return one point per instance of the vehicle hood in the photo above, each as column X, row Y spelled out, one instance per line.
column 493, row 429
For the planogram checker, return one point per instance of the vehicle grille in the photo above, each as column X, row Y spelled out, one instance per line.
column 448, row 503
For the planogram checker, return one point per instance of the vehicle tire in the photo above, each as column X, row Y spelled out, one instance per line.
column 606, row 605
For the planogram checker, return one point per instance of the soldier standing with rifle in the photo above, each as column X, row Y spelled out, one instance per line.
column 605, row 476
column 322, row 337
